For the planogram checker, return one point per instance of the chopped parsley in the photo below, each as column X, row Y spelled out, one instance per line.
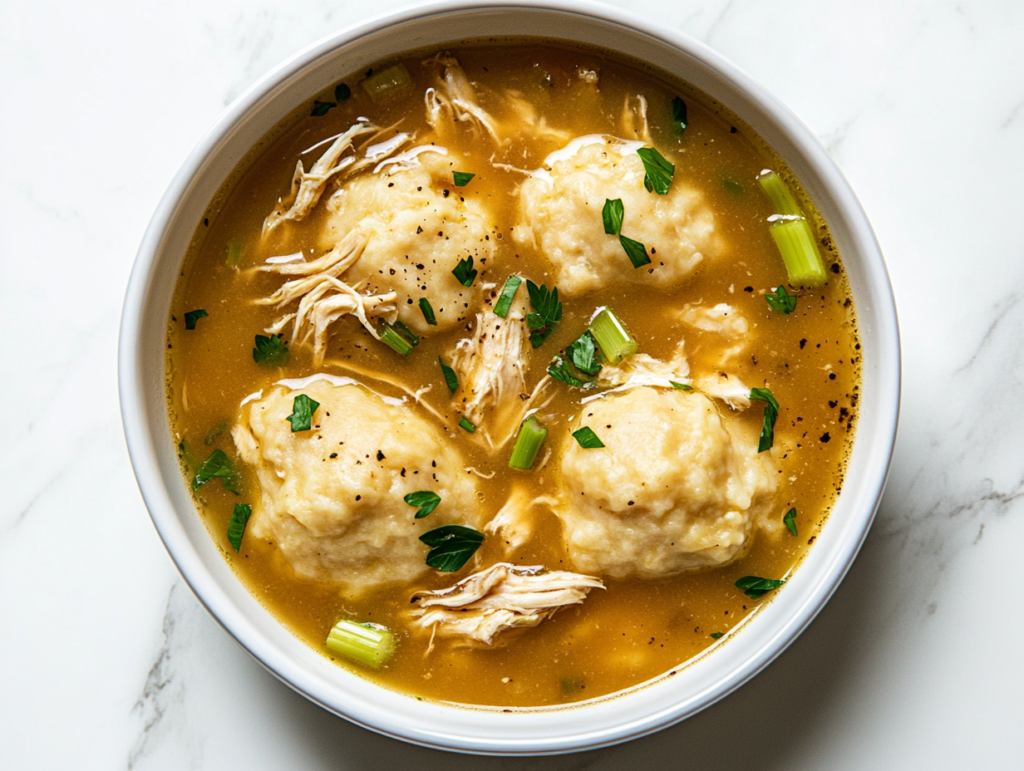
column 464, row 272
column 679, row 119
column 680, row 386
column 781, row 301
column 450, row 378
column 461, row 178
column 716, row 635
column 659, row 172
column 236, row 526
column 731, row 186
column 218, row 465
column 547, row 312
column 270, row 351
column 508, row 293
column 587, row 439
column 342, row 92
column 428, row 312
column 321, row 108
column 790, row 521
column 451, row 546
column 613, row 213
column 465, row 424
column 755, row 586
column 302, row 413
column 424, row 500
column 771, row 414
column 193, row 316
column 561, row 370
column 583, row 356
column 636, row 251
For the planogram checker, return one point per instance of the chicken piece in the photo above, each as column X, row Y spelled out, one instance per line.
column 671, row 490
column 641, row 369
column 514, row 523
column 721, row 319
column 331, row 498
column 726, row 388
column 454, row 100
column 561, row 209
column 500, row 598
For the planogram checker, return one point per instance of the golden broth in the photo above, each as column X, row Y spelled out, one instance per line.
column 633, row 630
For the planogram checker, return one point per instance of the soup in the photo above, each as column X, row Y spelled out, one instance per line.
column 531, row 383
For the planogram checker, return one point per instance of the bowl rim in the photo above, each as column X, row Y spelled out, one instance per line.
column 136, row 392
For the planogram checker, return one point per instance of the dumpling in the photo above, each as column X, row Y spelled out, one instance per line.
column 332, row 497
column 416, row 226
column 671, row 490
column 562, row 204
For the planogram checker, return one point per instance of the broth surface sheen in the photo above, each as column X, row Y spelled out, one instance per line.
column 540, row 96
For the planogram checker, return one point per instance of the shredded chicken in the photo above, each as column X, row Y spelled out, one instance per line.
column 500, row 598
column 530, row 123
column 514, row 523
column 456, row 98
column 643, row 370
column 726, row 388
column 634, row 119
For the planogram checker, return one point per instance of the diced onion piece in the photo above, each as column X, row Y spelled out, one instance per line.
column 531, row 436
column 384, row 82
column 778, row 192
column 369, row 644
column 796, row 243
column 612, row 337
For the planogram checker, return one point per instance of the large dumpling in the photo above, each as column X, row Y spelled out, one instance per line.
column 562, row 205
column 416, row 227
column 332, row 497
column 671, row 490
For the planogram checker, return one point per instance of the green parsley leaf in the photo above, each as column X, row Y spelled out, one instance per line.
column 302, row 413
column 425, row 500
column 659, row 171
column 218, row 465
column 193, row 316
column 735, row 188
column 790, row 521
column 465, row 424
column 561, row 370
column 461, row 178
column 321, row 108
column 587, row 439
column 270, row 351
column 680, row 386
column 215, row 433
column 613, row 213
column 548, row 312
column 236, row 526
column 583, row 354
column 636, row 251
column 508, row 293
column 450, row 378
column 428, row 312
column 452, row 546
column 755, row 586
column 679, row 119
column 781, row 301
column 771, row 414
column 464, row 272
column 716, row 635
column 342, row 92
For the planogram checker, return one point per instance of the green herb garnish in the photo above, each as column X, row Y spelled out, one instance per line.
column 755, row 586
column 790, row 521
column 659, row 172
column 236, row 526
column 193, row 316
column 583, row 353
column 735, row 188
column 771, row 414
column 215, row 433
column 781, row 301
column 452, row 546
column 680, row 386
column 342, row 92
column 636, row 252
column 461, row 178
column 218, row 465
column 321, row 108
column 399, row 338
column 561, row 370
column 716, row 635
column 679, row 119
column 587, row 439
column 508, row 293
column 464, row 272
column 465, row 424
column 613, row 213
column 302, row 413
column 450, row 378
column 548, row 312
column 270, row 351
column 428, row 312
column 425, row 500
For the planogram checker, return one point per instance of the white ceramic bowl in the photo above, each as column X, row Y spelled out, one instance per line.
column 534, row 731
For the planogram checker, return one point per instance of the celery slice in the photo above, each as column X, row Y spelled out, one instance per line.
column 612, row 337
column 778, row 193
column 531, row 436
column 796, row 243
column 384, row 82
column 369, row 644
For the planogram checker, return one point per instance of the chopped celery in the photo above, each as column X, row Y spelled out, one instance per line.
column 777, row 191
column 369, row 644
column 612, row 337
column 396, row 341
column 796, row 243
column 236, row 249
column 384, row 82
column 531, row 436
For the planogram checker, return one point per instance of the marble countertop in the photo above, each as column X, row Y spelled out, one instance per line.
column 108, row 661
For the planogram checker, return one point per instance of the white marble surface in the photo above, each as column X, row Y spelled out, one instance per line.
column 106, row 659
